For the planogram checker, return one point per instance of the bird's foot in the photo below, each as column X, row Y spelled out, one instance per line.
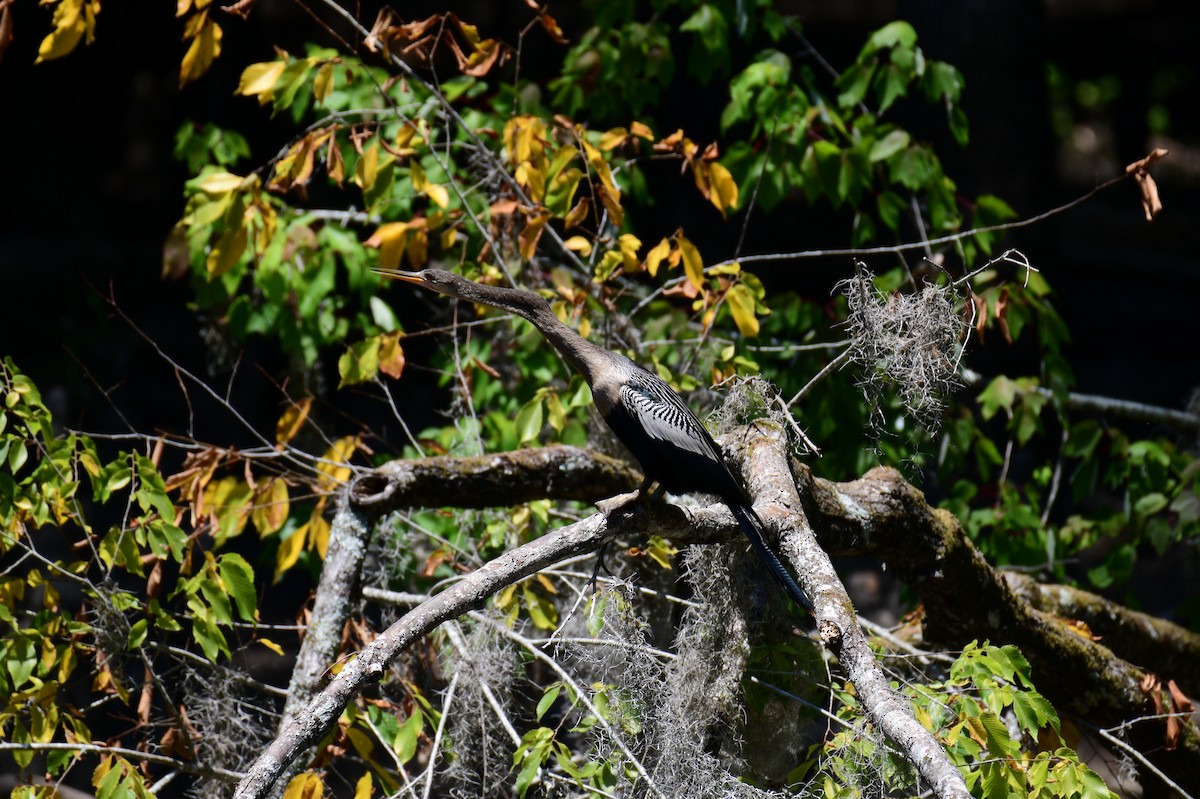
column 612, row 504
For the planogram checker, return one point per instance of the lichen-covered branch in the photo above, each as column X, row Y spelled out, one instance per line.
column 1165, row 648
column 498, row 479
column 965, row 599
column 778, row 504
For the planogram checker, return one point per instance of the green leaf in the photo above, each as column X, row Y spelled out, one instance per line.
column 408, row 735
column 889, row 145
column 529, row 420
column 1000, row 394
column 238, row 577
column 898, row 33
column 548, row 699
column 137, row 632
column 359, row 363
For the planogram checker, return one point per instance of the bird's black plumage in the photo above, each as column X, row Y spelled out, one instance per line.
column 671, row 444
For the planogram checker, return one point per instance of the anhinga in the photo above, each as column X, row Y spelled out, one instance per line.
column 672, row 446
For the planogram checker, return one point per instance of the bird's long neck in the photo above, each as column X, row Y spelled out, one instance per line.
column 587, row 358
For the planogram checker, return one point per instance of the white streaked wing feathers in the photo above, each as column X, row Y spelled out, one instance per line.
column 664, row 416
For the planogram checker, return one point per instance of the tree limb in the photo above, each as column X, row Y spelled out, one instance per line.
column 498, row 479
column 779, row 506
column 880, row 514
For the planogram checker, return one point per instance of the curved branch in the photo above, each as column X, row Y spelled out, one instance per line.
column 1165, row 648
column 469, row 593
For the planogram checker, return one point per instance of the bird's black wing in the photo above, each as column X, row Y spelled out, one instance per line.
column 665, row 416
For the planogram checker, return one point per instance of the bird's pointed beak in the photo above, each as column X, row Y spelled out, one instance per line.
column 400, row 274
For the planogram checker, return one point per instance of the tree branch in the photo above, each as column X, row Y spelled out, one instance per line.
column 880, row 514
column 965, row 599
column 499, row 479
column 779, row 506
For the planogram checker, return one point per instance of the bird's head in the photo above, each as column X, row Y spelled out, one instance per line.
column 522, row 303
column 438, row 280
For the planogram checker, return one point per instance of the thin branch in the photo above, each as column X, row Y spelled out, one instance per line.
column 1146, row 763
column 132, row 754
column 919, row 245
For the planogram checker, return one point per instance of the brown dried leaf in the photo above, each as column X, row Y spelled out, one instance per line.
column 1002, row 316
column 6, row 29
column 981, row 314
column 146, row 700
column 240, row 9
column 578, row 213
column 1151, row 203
column 1182, row 704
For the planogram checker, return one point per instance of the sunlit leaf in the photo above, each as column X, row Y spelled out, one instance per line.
column 292, row 420
column 359, row 363
column 391, row 355
column 259, row 79
column 693, row 266
column 657, row 253
column 205, row 47
column 741, row 306
column 270, row 505
column 323, row 82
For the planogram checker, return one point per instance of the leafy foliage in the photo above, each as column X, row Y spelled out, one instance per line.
column 549, row 182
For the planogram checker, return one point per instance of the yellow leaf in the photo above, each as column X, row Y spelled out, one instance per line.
column 260, row 79
column 333, row 469
column 579, row 244
column 391, row 355
column 578, row 213
column 629, row 245
column 362, row 790
column 585, row 327
column 323, row 83
column 368, row 167
column 656, row 255
column 438, row 194
column 269, row 644
column 531, row 233
column 612, row 139
column 318, row 535
column 205, row 47
column 693, row 266
column 641, row 131
column 292, row 420
column 305, row 786
column 418, row 248
column 271, row 506
column 69, row 27
column 531, row 178
column 741, row 305
column 416, row 175
column 390, row 238
column 289, row 550
column 724, row 193
column 219, row 183
column 227, row 251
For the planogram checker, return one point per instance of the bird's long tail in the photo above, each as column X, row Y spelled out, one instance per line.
column 752, row 526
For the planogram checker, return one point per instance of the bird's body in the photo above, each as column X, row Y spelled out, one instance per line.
column 672, row 446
